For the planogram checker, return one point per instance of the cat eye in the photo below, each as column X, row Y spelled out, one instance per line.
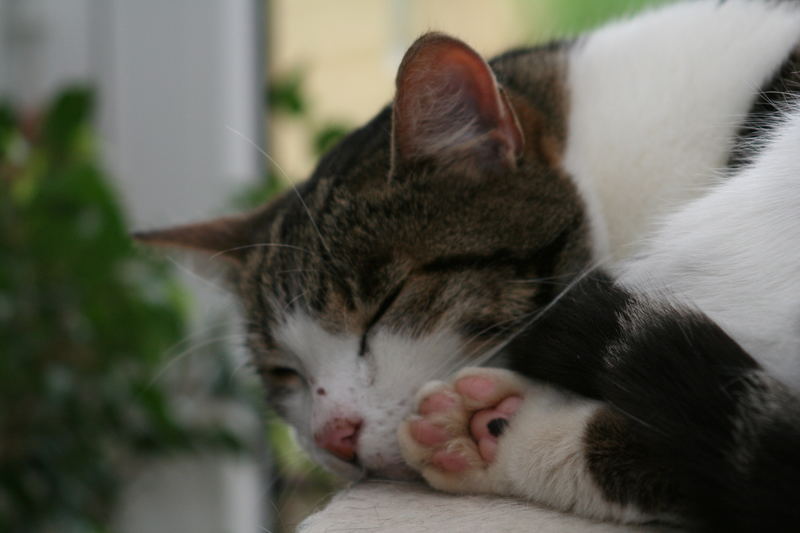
column 284, row 375
column 382, row 308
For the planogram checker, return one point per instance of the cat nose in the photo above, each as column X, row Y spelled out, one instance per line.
column 339, row 436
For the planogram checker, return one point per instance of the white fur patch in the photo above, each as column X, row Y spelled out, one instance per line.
column 656, row 101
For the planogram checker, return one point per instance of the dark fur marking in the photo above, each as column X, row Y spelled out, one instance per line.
column 564, row 346
column 623, row 466
column 497, row 426
column 384, row 306
column 474, row 261
column 685, row 386
column 550, row 256
column 545, row 258
column 680, row 390
column 483, row 329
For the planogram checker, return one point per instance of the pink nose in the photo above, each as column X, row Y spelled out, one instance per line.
column 339, row 436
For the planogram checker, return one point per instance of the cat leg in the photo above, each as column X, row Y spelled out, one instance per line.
column 491, row 431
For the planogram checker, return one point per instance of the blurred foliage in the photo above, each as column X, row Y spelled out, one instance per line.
column 327, row 136
column 571, row 17
column 285, row 94
column 85, row 326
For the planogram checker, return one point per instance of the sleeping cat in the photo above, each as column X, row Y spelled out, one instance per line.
column 494, row 215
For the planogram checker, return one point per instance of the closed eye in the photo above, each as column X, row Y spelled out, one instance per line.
column 282, row 375
column 385, row 305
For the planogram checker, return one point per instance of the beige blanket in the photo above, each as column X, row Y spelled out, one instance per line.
column 375, row 506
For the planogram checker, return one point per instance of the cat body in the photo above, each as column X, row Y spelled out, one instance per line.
column 484, row 217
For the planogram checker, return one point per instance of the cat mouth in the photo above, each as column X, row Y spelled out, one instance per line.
column 378, row 466
column 397, row 472
column 373, row 467
column 351, row 469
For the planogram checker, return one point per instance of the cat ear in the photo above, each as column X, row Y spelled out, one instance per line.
column 449, row 107
column 227, row 237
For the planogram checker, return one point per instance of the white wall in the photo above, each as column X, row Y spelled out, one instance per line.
column 177, row 78
column 193, row 495
column 44, row 44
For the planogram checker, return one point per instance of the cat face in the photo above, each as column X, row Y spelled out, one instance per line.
column 420, row 243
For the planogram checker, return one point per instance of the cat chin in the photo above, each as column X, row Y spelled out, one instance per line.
column 399, row 471
column 342, row 469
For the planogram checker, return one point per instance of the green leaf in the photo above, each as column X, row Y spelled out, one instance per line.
column 285, row 94
column 70, row 112
column 327, row 136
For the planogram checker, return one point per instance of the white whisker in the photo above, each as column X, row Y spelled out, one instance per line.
column 468, row 360
column 293, row 300
column 169, row 364
column 286, row 177
column 538, row 314
column 262, row 244
column 238, row 367
column 192, row 335
column 193, row 275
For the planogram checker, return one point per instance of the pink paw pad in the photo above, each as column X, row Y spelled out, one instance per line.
column 436, row 403
column 487, row 425
column 427, row 433
column 455, row 435
column 477, row 388
column 450, row 461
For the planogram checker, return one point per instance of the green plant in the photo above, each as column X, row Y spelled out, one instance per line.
column 86, row 323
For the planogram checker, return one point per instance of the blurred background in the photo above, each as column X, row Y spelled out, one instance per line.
column 126, row 402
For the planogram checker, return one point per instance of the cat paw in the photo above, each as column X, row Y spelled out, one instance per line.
column 453, row 438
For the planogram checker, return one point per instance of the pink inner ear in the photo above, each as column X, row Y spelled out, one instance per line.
column 447, row 99
column 470, row 74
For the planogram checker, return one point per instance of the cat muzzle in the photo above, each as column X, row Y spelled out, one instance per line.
column 339, row 436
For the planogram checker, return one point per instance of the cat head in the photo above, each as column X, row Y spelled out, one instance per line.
column 420, row 243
